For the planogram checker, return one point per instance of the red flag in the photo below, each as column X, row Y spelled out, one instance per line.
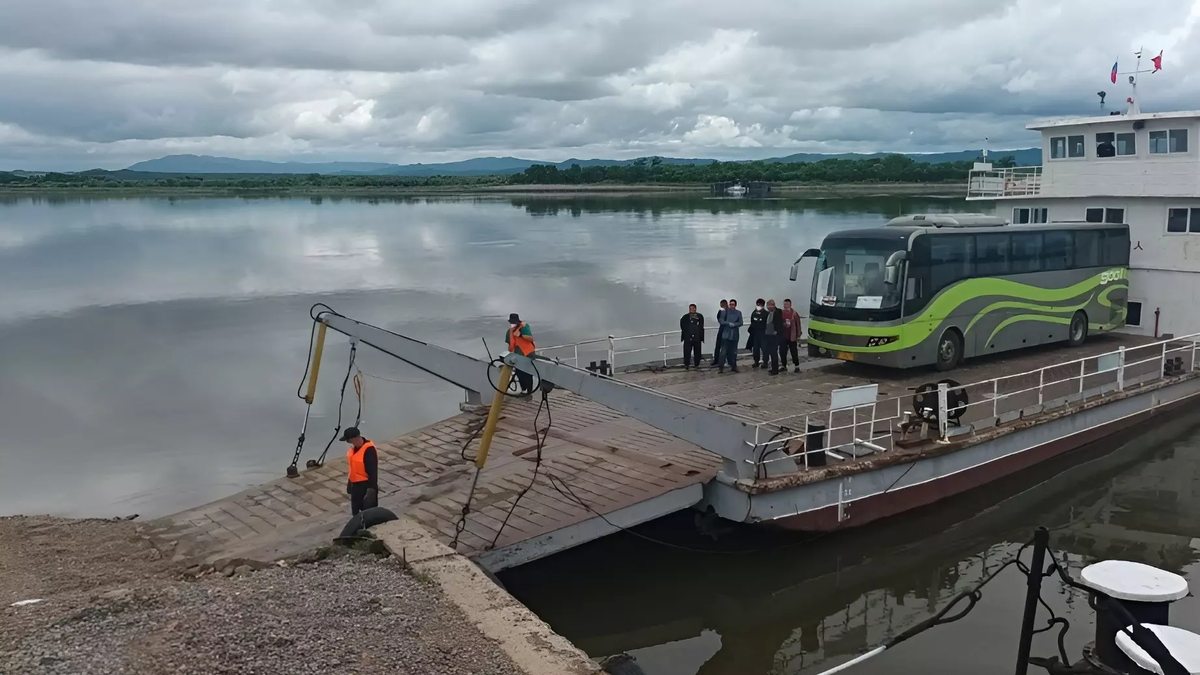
column 1113, row 76
column 1157, row 61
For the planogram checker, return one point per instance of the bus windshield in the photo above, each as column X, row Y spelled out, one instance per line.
column 850, row 274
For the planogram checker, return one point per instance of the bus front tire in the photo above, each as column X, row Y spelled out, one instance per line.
column 1078, row 331
column 949, row 351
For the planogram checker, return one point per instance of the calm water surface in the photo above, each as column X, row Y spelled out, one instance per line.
column 150, row 351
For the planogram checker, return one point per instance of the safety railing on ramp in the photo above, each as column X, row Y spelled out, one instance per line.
column 622, row 352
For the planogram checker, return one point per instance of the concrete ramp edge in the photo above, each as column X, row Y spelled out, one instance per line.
column 527, row 640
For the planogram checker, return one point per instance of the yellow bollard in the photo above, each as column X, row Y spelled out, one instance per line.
column 489, row 429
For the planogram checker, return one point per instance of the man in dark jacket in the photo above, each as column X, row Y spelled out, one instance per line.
column 691, row 334
column 772, row 333
column 755, row 342
column 718, row 354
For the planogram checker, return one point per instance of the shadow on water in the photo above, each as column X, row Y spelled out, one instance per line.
column 790, row 606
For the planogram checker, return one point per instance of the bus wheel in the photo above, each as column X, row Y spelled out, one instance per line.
column 1079, row 329
column 949, row 350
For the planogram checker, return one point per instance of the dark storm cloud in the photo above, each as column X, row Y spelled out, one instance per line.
column 109, row 82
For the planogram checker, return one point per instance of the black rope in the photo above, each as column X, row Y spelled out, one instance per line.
column 537, row 461
column 341, row 401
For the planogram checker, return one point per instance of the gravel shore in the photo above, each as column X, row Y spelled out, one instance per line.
column 110, row 604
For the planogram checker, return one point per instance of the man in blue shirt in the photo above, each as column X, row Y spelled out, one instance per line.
column 730, row 332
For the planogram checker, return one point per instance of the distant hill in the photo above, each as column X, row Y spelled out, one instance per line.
column 482, row 166
column 209, row 164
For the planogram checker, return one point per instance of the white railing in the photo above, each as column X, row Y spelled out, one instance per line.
column 618, row 351
column 1021, row 181
column 851, row 432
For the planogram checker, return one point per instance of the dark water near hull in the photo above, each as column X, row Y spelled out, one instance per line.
column 150, row 351
column 150, row 348
column 794, row 608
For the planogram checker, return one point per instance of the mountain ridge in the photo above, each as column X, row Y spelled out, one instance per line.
column 480, row 166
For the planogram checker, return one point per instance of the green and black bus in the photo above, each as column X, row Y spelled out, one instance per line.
column 935, row 289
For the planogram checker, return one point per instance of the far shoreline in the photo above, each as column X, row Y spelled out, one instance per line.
column 781, row 191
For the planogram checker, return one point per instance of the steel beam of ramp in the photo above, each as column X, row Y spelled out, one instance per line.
column 467, row 372
column 722, row 434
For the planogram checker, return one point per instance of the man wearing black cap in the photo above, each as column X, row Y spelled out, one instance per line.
column 363, row 485
column 520, row 340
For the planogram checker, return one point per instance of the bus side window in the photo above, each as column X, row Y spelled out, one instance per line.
column 1087, row 249
column 1026, row 252
column 1116, row 247
column 951, row 259
column 991, row 255
column 1056, row 251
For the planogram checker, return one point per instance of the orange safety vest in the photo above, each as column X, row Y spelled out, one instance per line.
column 358, row 468
column 518, row 342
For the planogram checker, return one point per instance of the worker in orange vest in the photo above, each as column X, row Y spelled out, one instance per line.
column 363, row 485
column 520, row 340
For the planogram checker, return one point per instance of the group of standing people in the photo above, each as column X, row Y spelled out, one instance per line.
column 774, row 333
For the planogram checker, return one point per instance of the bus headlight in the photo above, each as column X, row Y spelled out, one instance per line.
column 882, row 340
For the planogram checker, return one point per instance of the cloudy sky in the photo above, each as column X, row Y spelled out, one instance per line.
column 104, row 83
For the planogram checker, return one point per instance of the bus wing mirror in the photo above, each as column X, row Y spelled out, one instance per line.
column 810, row 253
column 891, row 269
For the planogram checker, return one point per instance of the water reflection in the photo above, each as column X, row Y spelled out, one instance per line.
column 152, row 346
column 808, row 607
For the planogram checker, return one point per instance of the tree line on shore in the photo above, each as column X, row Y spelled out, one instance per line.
column 889, row 169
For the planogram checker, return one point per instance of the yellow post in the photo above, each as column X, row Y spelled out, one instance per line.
column 316, row 365
column 489, row 429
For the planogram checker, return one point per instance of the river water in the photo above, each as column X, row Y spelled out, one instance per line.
column 150, row 351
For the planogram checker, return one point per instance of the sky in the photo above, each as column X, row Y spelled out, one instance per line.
column 106, row 83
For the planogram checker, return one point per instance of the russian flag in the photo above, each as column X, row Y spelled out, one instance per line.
column 1113, row 76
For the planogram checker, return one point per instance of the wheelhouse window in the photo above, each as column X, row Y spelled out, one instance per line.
column 1075, row 146
column 1062, row 147
column 1024, row 216
column 1183, row 221
column 1105, row 215
column 1110, row 144
column 850, row 274
column 1170, row 141
column 1058, row 147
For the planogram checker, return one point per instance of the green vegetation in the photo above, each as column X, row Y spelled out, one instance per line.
column 645, row 171
column 890, row 169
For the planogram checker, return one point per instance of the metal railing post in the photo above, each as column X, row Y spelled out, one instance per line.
column 612, row 356
column 1193, row 367
column 943, row 411
column 576, row 354
column 1082, row 370
column 664, row 350
column 806, row 448
column 995, row 398
column 1120, row 369
column 1162, row 362
column 1041, row 386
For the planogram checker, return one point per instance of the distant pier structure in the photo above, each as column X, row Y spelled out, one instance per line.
column 741, row 188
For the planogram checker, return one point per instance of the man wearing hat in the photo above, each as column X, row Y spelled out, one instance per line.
column 520, row 340
column 363, row 485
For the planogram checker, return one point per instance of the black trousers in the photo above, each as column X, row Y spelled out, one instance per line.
column 758, row 347
column 783, row 350
column 526, row 381
column 770, row 350
column 691, row 353
column 362, row 496
column 717, row 354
